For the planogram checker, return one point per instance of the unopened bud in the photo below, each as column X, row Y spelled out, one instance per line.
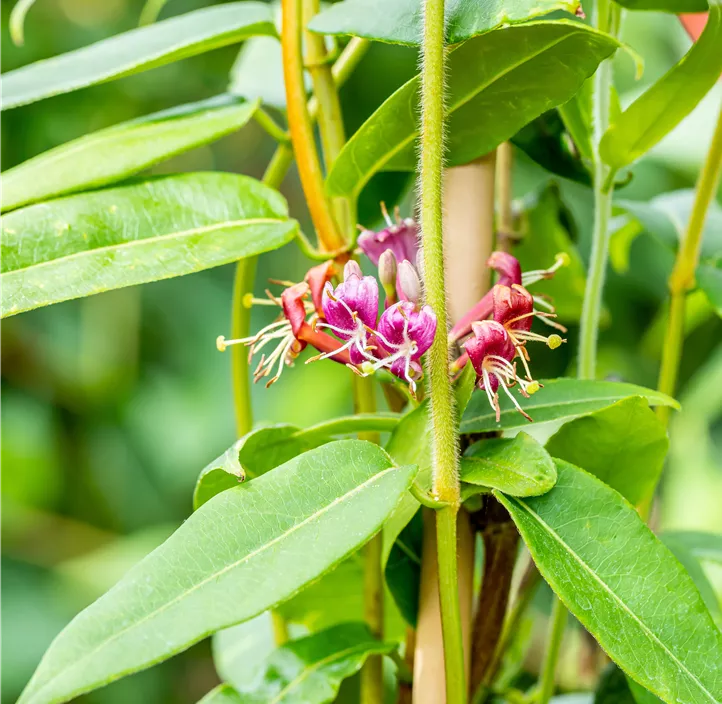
column 554, row 341
column 387, row 270
column 351, row 269
column 409, row 282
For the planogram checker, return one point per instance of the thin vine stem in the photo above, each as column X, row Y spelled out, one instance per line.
column 682, row 278
column 301, row 128
column 443, row 420
column 558, row 622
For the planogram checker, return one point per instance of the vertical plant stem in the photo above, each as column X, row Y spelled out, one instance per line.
column 558, row 622
column 504, row 181
column 606, row 19
column 682, row 278
column 301, row 129
column 444, row 426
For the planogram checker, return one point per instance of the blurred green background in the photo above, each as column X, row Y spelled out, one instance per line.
column 112, row 405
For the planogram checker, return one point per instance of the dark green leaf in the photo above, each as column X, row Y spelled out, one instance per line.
column 222, row 694
column 115, row 153
column 544, row 237
column 245, row 551
column 623, row 585
column 403, row 569
column 93, row 242
column 691, row 563
column 560, row 399
column 624, row 445
column 613, row 687
column 674, row 6
column 310, row 670
column 518, row 466
column 263, row 449
column 483, row 73
column 400, row 22
column 668, row 101
column 138, row 50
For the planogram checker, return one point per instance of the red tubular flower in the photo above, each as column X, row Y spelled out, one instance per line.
column 316, row 278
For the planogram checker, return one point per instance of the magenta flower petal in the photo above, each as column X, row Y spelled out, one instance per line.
column 402, row 239
column 401, row 324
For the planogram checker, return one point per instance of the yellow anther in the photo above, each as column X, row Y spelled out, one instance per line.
column 554, row 341
column 533, row 387
column 248, row 300
column 221, row 343
column 563, row 258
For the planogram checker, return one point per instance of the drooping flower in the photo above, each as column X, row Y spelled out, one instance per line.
column 401, row 237
column 351, row 310
column 405, row 332
column 491, row 351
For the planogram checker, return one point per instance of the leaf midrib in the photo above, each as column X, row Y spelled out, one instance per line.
column 455, row 106
column 153, row 240
column 614, row 596
column 215, row 576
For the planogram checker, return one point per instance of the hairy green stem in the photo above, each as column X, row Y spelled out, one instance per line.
column 682, row 279
column 443, row 418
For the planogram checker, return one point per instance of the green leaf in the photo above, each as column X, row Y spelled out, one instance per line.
column 704, row 546
column 674, row 6
column 696, row 572
column 483, row 73
column 263, row 540
column 410, row 443
column 613, row 687
column 93, row 242
column 138, row 50
column 120, row 151
column 403, row 569
column 518, row 466
column 560, row 399
column 263, row 449
column 709, row 279
column 623, row 585
column 624, row 445
column 668, row 101
column 400, row 22
column 464, row 387
column 310, row 670
column 222, row 694
column 544, row 237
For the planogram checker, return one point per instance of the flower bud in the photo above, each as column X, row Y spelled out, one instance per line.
column 351, row 268
column 507, row 266
column 387, row 276
column 409, row 284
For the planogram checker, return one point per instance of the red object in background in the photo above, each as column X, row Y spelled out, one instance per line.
column 694, row 23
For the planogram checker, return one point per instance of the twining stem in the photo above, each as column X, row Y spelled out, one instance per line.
column 682, row 279
column 558, row 622
column 301, row 129
column 443, row 420
column 606, row 19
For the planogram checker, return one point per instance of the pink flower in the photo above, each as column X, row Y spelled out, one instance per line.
column 401, row 237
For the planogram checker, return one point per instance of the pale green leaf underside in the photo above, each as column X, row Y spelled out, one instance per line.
column 157, row 229
column 310, row 670
column 560, row 399
column 222, row 694
column 483, row 75
column 245, row 551
column 623, row 585
column 401, row 22
column 138, row 50
column 624, row 445
column 668, row 101
column 113, row 154
column 518, row 466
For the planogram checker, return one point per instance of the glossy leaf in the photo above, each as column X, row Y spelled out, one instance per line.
column 93, row 242
column 624, row 445
column 668, row 101
column 560, row 399
column 113, row 154
column 310, row 670
column 483, row 73
column 400, row 22
column 138, row 50
column 518, row 466
column 263, row 449
column 324, row 504
column 623, row 585
column 222, row 694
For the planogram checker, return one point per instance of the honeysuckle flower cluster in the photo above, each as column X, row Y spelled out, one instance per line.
column 340, row 319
